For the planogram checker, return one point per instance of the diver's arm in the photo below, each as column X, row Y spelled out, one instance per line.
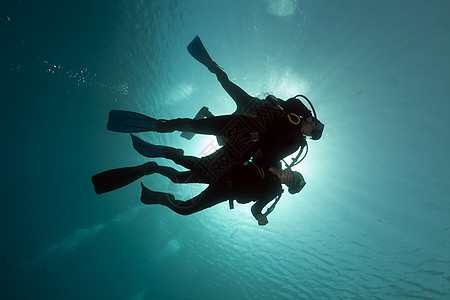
column 262, row 220
column 257, row 211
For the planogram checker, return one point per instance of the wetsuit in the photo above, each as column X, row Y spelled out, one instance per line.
column 280, row 137
column 244, row 183
column 256, row 124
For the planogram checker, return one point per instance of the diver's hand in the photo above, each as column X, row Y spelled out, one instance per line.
column 262, row 220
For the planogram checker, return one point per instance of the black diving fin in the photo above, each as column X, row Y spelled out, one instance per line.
column 146, row 149
column 198, row 51
column 113, row 179
column 128, row 121
column 151, row 197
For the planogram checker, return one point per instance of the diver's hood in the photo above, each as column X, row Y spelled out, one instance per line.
column 319, row 126
column 294, row 105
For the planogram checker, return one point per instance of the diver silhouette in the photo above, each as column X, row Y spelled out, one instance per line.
column 241, row 182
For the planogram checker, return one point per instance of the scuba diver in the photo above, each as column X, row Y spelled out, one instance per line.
column 295, row 111
column 275, row 127
column 255, row 138
column 241, row 182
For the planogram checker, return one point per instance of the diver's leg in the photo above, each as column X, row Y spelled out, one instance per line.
column 113, row 179
column 199, row 168
column 212, row 126
column 168, row 172
column 208, row 198
column 177, row 176
column 194, row 164
column 202, row 113
column 178, row 157
column 241, row 98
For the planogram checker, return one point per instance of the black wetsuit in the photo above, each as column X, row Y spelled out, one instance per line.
column 258, row 128
column 279, row 138
column 256, row 125
column 244, row 183
column 269, row 133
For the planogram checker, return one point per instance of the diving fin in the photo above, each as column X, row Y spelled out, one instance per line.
column 198, row 51
column 151, row 197
column 128, row 121
column 113, row 179
column 202, row 113
column 147, row 149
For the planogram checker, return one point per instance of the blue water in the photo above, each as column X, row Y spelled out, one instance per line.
column 373, row 221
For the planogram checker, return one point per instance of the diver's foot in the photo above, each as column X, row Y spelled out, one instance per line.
column 149, row 168
column 172, row 153
column 164, row 126
column 214, row 68
column 204, row 112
